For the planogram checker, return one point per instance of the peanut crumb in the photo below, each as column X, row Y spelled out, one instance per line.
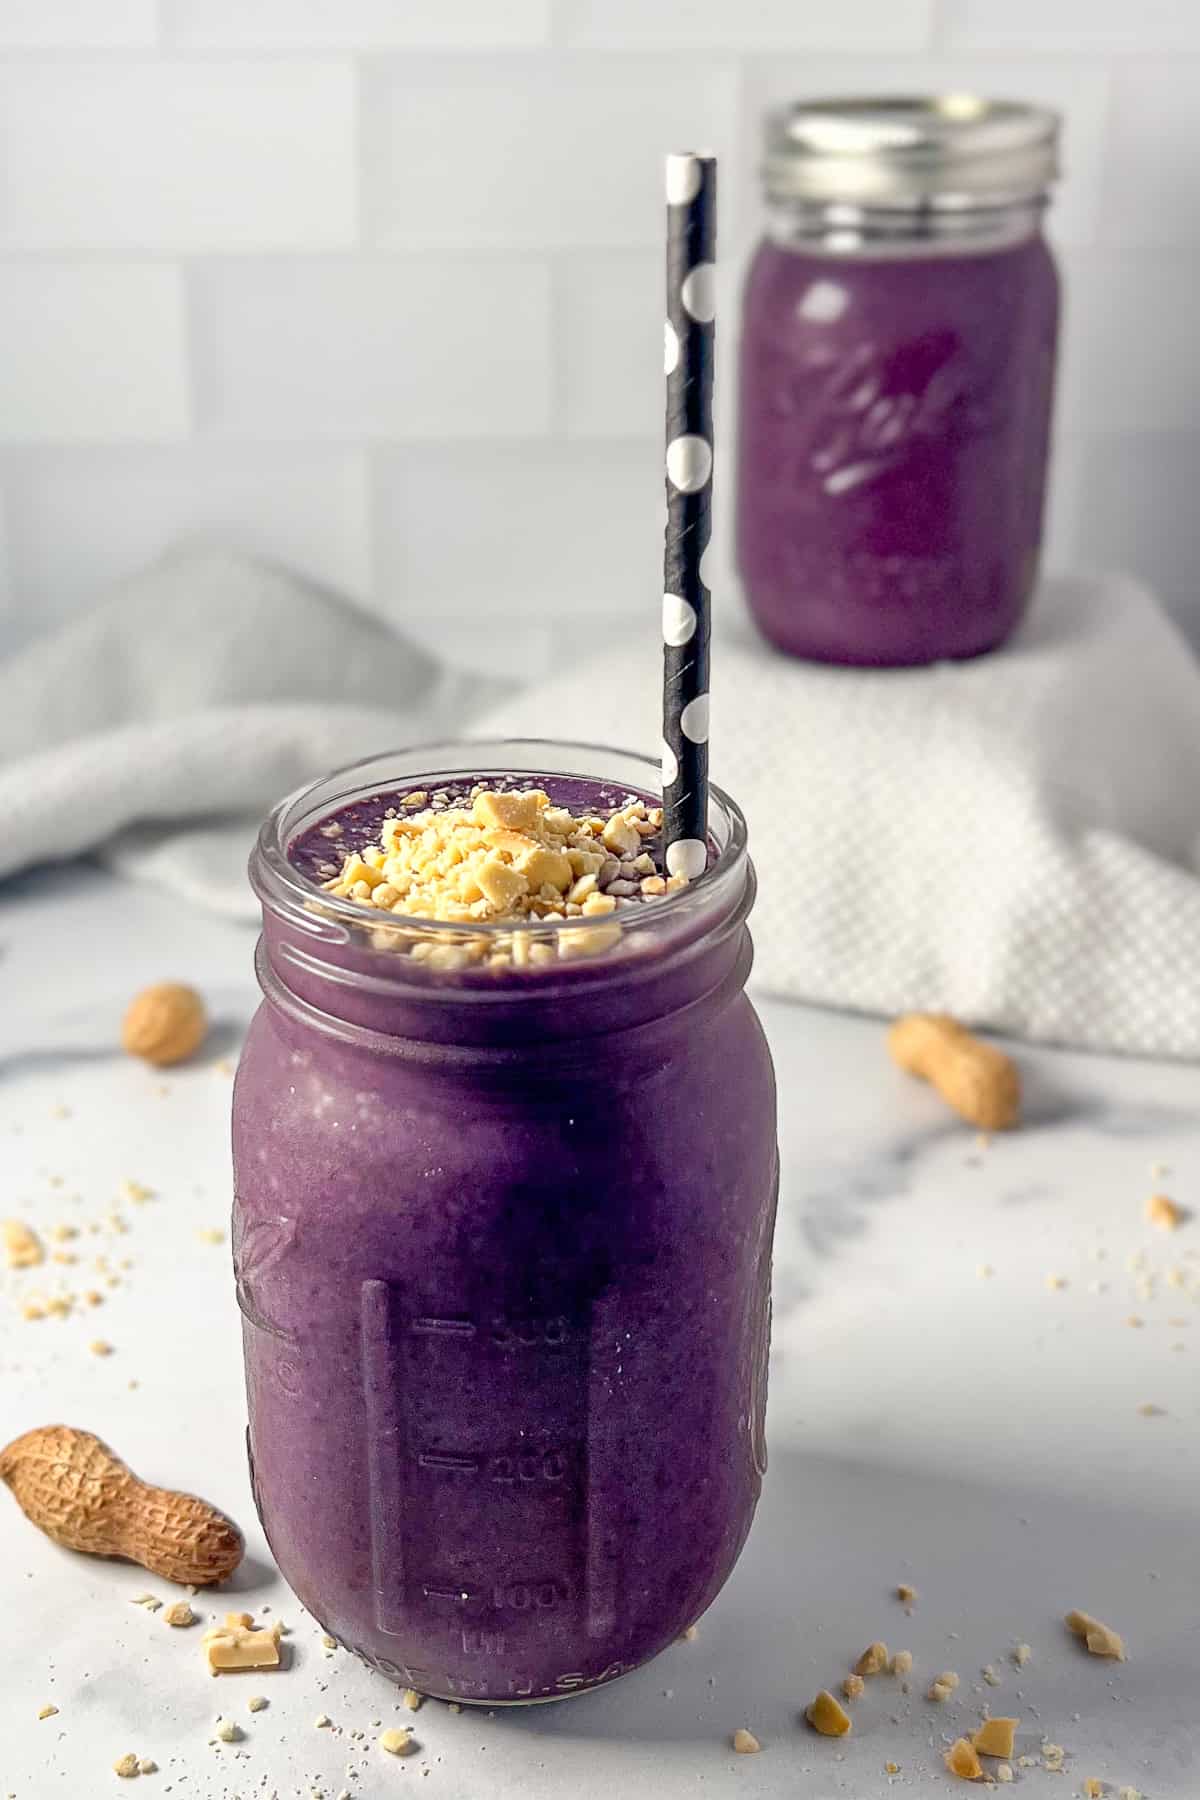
column 1100, row 1639
column 1053, row 1756
column 180, row 1613
column 990, row 1676
column 905, row 1594
column 322, row 1722
column 136, row 1192
column 126, row 1766
column 826, row 1716
column 985, row 1271
column 745, row 1742
column 1134, row 1322
column 100, row 1347
column 1093, row 1789
column 901, row 1663
column 891, row 1768
column 689, row 1634
column 854, row 1687
column 1021, row 1655
column 412, row 1699
column 995, row 1737
column 1148, row 1410
column 1128, row 1793
column 150, row 1601
column 1055, row 1282
column 962, row 1761
column 256, row 1703
column 22, row 1246
column 454, row 1706
column 397, row 1740
column 1003, row 1772
column 227, row 1731
column 211, row 1234
column 147, row 1765
column 1163, row 1213
column 873, row 1659
column 47, row 1712
column 943, row 1685
column 330, row 1643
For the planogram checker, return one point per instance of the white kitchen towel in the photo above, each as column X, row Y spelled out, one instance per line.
column 1013, row 840
column 160, row 727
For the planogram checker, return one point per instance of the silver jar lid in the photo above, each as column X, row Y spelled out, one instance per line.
column 939, row 150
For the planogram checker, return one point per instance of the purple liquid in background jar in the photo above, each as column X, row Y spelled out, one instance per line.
column 897, row 367
column 503, row 1250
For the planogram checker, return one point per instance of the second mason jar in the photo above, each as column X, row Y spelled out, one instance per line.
column 503, row 1246
column 896, row 380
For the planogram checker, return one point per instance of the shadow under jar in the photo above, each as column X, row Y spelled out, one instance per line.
column 503, row 1243
column 898, row 344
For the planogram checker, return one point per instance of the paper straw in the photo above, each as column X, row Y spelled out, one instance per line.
column 691, row 246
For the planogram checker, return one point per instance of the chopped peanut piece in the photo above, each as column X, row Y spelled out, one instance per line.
column 179, row 1614
column 1164, row 1213
column 943, row 1685
column 689, row 1634
column 100, row 1347
column 147, row 1765
column 235, row 1646
column 873, row 1659
column 905, row 1594
column 227, row 1731
column 962, row 1761
column 398, row 1740
column 854, row 1687
column 995, row 1737
column 745, row 1742
column 825, row 1715
column 1003, row 1772
column 1100, row 1639
column 47, row 1712
column 901, row 1663
column 256, row 1703
column 412, row 1699
column 22, row 1246
column 1093, row 1789
column 1021, row 1655
column 126, row 1765
column 515, row 812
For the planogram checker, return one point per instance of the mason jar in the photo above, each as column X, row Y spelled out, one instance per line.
column 897, row 363
column 503, row 1244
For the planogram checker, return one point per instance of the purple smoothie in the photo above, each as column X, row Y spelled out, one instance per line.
column 503, row 1254
column 894, row 433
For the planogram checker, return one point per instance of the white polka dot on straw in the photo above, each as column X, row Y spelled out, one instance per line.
column 670, row 348
column 683, row 179
column 678, row 620
column 687, row 856
column 693, row 720
column 699, row 292
column 670, row 768
column 689, row 463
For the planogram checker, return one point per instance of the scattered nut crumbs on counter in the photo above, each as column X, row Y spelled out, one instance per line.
column 826, row 1716
column 22, row 1246
column 873, row 1659
column 1163, row 1212
column 398, row 1740
column 744, row 1742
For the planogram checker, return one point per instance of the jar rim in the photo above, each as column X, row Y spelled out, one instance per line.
column 942, row 150
column 289, row 894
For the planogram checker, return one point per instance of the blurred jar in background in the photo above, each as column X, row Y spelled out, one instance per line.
column 897, row 371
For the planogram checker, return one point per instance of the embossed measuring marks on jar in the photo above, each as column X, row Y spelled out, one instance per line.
column 484, row 1430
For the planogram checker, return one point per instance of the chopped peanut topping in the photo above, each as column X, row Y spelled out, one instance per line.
column 854, row 1687
column 179, row 1614
column 825, row 1715
column 745, row 1742
column 126, row 1765
column 500, row 857
column 905, row 1594
column 901, row 1663
column 412, row 1699
column 1164, row 1213
column 1021, row 1655
column 235, row 1645
column 1093, row 1789
column 1100, row 1639
column 873, row 1659
column 943, row 1685
column 47, row 1712
column 962, row 1761
column 995, row 1737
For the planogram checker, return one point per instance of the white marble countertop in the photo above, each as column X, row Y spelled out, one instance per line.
column 977, row 1435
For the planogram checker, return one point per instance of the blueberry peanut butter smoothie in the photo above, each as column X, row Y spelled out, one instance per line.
column 505, row 1169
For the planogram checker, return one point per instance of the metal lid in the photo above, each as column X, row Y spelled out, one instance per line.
column 939, row 150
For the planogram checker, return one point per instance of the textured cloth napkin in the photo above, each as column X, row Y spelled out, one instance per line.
column 1014, row 840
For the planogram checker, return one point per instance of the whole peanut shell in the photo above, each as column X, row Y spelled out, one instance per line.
column 164, row 1023
column 74, row 1489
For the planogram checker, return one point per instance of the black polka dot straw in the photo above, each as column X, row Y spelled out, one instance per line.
column 691, row 245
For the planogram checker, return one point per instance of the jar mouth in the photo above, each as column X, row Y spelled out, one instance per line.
column 305, row 904
column 951, row 151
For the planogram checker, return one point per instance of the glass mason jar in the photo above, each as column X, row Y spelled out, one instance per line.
column 896, row 376
column 503, row 1243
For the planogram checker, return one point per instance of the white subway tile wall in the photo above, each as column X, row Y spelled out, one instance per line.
column 373, row 288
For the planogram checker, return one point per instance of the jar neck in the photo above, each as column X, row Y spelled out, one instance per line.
column 838, row 229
